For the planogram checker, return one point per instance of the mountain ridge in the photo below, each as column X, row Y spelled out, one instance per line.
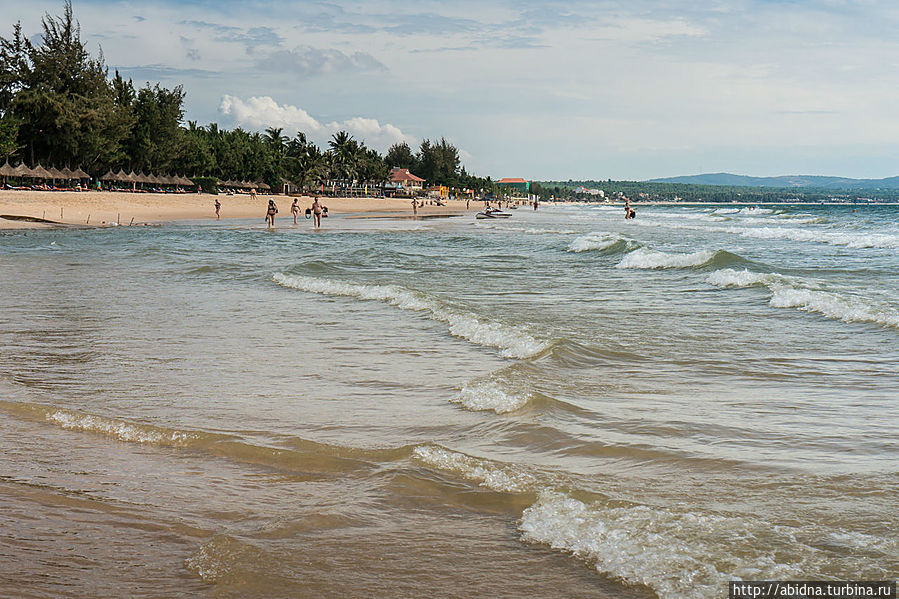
column 784, row 181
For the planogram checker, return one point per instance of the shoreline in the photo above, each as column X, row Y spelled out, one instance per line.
column 65, row 209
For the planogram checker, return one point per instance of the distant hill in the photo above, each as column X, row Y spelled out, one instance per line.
column 796, row 181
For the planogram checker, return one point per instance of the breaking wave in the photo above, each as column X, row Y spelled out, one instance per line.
column 121, row 430
column 512, row 341
column 645, row 258
column 788, row 292
column 855, row 239
column 604, row 242
column 678, row 554
column 485, row 473
column 485, row 396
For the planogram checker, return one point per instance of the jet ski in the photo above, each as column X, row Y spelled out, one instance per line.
column 492, row 213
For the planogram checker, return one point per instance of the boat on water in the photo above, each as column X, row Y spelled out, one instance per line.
column 492, row 213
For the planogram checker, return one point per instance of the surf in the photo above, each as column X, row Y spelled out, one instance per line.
column 512, row 341
column 806, row 296
column 649, row 259
column 607, row 243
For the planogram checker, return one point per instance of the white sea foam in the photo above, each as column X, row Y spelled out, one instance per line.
column 484, row 396
column 528, row 230
column 728, row 277
column 484, row 472
column 834, row 305
column 646, row 258
column 850, row 239
column 678, row 554
column 854, row 239
column 789, row 292
column 513, row 341
column 123, row 431
column 598, row 241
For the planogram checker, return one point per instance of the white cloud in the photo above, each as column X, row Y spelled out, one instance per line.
column 259, row 112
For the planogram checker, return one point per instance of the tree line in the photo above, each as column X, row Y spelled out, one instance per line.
column 59, row 106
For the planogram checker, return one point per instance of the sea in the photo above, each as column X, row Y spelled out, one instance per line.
column 563, row 403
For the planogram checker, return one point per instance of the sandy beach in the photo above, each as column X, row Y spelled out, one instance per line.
column 109, row 208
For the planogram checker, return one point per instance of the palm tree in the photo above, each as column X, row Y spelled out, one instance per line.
column 344, row 151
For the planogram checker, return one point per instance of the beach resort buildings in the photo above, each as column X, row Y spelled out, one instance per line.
column 403, row 182
column 514, row 187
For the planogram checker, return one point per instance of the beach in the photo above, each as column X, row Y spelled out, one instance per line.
column 111, row 207
column 561, row 403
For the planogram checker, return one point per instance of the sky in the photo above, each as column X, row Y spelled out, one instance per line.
column 551, row 90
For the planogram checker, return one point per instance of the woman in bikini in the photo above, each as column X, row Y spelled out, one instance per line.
column 270, row 214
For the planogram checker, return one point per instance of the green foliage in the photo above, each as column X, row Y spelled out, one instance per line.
column 400, row 156
column 152, row 143
column 9, row 132
column 58, row 106
column 207, row 184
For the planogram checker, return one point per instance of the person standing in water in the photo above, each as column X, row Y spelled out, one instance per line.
column 414, row 207
column 270, row 213
column 218, row 209
column 295, row 210
column 316, row 213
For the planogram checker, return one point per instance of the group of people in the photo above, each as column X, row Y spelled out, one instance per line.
column 315, row 211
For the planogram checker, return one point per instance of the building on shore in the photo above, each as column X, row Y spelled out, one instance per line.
column 514, row 187
column 402, row 182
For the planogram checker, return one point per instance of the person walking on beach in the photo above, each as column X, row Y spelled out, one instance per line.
column 295, row 210
column 253, row 193
column 414, row 207
column 270, row 213
column 218, row 209
column 316, row 213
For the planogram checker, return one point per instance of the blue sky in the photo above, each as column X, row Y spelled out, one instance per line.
column 544, row 90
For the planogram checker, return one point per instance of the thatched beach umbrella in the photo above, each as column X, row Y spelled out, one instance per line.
column 68, row 173
column 56, row 173
column 80, row 174
column 7, row 171
column 122, row 177
column 22, row 171
column 41, row 172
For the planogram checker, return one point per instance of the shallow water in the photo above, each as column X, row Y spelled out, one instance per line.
column 563, row 400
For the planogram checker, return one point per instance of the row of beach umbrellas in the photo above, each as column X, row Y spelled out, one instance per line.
column 132, row 177
column 244, row 185
column 39, row 172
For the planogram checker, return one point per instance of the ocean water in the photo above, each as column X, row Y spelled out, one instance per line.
column 563, row 403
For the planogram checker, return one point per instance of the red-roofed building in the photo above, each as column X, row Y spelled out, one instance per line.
column 516, row 184
column 401, row 180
